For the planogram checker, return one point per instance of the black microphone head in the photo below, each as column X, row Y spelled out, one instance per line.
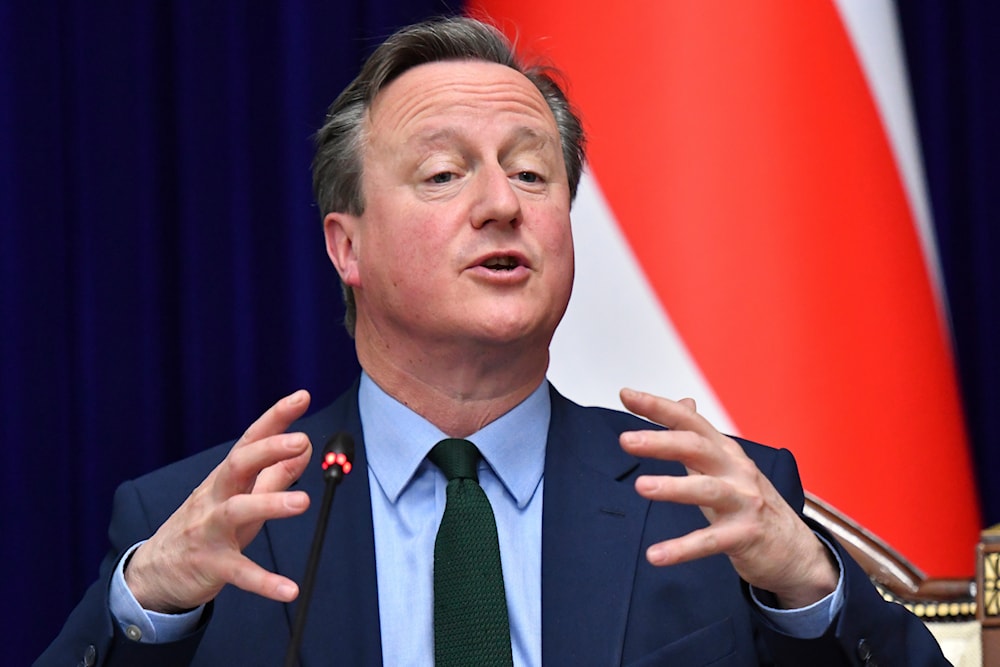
column 338, row 456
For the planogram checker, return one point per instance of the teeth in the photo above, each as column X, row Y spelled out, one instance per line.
column 502, row 263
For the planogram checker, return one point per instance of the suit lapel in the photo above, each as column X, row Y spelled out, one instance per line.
column 343, row 625
column 591, row 530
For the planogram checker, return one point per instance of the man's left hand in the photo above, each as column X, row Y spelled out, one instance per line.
column 770, row 546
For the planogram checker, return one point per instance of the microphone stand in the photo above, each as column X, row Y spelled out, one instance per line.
column 338, row 455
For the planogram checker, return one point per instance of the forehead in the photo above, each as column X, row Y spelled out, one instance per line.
column 423, row 97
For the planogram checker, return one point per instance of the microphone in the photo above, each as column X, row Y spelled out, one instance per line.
column 338, row 459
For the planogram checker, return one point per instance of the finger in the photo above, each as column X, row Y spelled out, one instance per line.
column 254, row 509
column 677, row 415
column 239, row 471
column 240, row 571
column 701, row 490
column 699, row 454
column 709, row 541
column 281, row 475
column 278, row 417
column 244, row 515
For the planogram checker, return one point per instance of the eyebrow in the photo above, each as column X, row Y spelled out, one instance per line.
column 434, row 138
column 526, row 138
column 532, row 137
column 522, row 136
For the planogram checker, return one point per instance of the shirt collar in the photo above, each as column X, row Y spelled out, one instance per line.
column 397, row 441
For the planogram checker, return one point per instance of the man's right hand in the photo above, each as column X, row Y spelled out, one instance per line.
column 199, row 549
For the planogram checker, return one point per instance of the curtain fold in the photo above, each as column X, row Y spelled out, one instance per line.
column 164, row 277
column 953, row 50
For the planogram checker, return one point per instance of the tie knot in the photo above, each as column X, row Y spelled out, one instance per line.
column 456, row 458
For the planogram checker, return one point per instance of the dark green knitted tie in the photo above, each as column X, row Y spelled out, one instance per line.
column 470, row 608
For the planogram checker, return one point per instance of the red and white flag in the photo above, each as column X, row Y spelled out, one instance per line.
column 753, row 232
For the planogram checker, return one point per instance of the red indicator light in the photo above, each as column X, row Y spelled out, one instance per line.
column 338, row 459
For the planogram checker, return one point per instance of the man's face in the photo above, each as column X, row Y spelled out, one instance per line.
column 466, row 230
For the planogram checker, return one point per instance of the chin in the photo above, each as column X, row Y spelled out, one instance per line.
column 506, row 331
column 505, row 322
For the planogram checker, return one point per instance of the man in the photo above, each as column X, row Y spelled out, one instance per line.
column 445, row 174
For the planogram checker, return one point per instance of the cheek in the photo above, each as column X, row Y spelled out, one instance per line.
column 557, row 247
column 391, row 232
column 557, row 237
column 408, row 255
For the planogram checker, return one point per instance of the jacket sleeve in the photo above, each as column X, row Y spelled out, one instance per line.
column 868, row 630
column 90, row 635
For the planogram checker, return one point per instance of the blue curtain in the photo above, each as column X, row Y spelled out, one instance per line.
column 162, row 271
column 953, row 55
column 164, row 277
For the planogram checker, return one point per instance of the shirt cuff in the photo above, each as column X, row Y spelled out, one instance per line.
column 812, row 621
column 138, row 624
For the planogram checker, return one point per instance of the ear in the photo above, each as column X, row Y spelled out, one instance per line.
column 342, row 232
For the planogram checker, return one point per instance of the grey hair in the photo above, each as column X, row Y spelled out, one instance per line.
column 337, row 165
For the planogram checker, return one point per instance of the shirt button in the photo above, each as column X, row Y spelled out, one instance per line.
column 133, row 632
column 89, row 656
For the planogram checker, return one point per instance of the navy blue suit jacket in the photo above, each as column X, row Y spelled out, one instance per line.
column 602, row 603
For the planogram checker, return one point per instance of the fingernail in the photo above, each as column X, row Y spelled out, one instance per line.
column 296, row 501
column 647, row 484
column 287, row 591
column 297, row 397
column 629, row 438
column 656, row 554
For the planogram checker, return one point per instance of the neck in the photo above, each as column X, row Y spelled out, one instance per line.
column 458, row 390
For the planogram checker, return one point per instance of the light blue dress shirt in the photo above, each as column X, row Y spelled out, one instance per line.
column 408, row 498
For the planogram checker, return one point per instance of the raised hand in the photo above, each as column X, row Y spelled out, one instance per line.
column 199, row 548
column 769, row 545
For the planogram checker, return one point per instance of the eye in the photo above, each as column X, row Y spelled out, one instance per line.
column 443, row 177
column 528, row 177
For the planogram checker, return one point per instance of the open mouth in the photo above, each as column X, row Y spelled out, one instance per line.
column 502, row 263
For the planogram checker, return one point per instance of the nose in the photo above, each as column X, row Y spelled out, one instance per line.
column 496, row 200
